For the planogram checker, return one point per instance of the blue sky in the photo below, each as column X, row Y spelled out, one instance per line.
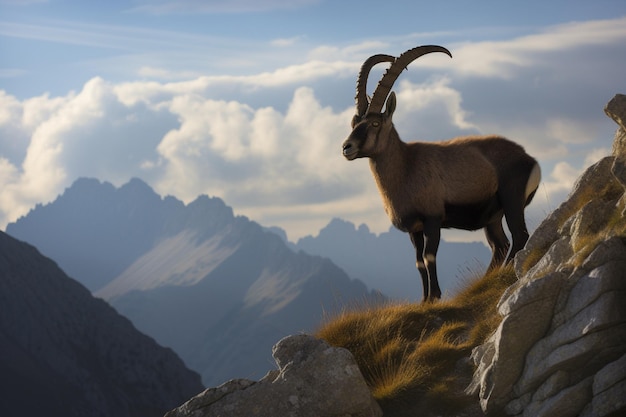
column 249, row 100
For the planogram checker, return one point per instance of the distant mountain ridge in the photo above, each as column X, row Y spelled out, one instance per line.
column 217, row 288
column 93, row 230
column 65, row 353
column 387, row 262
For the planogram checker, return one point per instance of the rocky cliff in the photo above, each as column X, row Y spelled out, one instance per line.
column 560, row 349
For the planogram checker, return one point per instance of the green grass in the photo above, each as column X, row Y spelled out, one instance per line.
column 414, row 356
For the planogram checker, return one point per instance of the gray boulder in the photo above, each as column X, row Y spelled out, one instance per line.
column 560, row 349
column 313, row 379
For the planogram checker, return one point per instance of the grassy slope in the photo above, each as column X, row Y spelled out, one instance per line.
column 415, row 357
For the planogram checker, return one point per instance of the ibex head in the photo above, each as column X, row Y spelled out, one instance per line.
column 370, row 125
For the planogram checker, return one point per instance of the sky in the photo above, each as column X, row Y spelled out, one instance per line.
column 250, row 100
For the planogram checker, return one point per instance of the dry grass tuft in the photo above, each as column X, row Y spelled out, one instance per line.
column 414, row 356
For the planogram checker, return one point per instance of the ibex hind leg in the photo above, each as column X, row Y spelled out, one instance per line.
column 519, row 193
column 514, row 215
column 498, row 242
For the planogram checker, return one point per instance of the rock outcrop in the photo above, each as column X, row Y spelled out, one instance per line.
column 560, row 349
column 313, row 379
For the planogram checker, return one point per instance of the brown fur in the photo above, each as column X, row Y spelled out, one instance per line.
column 465, row 183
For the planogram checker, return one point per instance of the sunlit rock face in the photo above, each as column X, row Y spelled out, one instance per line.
column 560, row 349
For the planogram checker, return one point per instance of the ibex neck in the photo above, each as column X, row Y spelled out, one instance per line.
column 392, row 158
column 389, row 170
column 389, row 167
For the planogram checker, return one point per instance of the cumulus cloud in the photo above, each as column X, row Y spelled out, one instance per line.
column 269, row 144
column 421, row 104
column 182, row 142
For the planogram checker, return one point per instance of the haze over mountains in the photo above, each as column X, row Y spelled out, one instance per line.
column 220, row 289
column 64, row 353
column 217, row 288
column 387, row 262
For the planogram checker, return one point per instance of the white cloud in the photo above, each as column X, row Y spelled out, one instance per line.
column 165, row 74
column 562, row 178
column 252, row 155
column 283, row 42
column 258, row 159
column 279, row 162
column 309, row 71
column 569, row 131
column 347, row 52
column 504, row 58
column 417, row 103
column 594, row 155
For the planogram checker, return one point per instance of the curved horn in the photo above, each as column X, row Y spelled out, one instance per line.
column 384, row 85
column 361, row 83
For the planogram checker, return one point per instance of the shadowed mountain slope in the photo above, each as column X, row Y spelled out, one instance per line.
column 65, row 353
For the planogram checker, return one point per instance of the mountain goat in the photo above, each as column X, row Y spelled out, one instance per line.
column 464, row 183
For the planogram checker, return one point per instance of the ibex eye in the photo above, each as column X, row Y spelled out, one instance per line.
column 375, row 124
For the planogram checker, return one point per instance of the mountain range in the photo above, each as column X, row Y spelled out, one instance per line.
column 218, row 289
column 66, row 353
column 386, row 262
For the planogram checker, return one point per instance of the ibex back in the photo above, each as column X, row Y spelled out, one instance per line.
column 465, row 183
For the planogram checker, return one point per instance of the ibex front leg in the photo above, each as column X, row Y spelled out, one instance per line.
column 417, row 238
column 426, row 243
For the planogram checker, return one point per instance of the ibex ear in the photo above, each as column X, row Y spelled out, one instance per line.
column 391, row 105
column 355, row 119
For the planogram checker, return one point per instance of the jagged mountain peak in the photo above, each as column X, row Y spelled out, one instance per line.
column 84, row 185
column 140, row 190
column 196, row 277
column 338, row 225
column 212, row 209
column 95, row 230
column 386, row 262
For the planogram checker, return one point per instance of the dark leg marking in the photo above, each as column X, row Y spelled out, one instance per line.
column 432, row 235
column 417, row 238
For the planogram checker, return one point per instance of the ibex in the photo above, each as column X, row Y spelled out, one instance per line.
column 464, row 183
